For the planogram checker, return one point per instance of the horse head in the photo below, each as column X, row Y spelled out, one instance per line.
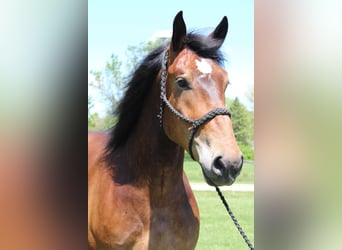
column 195, row 87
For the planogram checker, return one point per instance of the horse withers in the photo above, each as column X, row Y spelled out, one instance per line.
column 138, row 195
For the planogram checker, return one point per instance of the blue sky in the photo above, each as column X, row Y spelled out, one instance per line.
column 114, row 25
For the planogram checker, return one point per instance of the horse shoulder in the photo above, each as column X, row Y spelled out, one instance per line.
column 122, row 219
column 118, row 215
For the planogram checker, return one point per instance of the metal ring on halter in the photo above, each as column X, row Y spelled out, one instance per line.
column 195, row 123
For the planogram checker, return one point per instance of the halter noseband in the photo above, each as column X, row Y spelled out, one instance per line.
column 195, row 123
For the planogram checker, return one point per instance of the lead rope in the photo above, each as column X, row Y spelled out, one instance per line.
column 244, row 236
column 195, row 125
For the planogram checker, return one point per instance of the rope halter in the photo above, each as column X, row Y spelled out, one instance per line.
column 195, row 123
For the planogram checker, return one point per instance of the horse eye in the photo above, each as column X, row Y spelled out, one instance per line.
column 182, row 83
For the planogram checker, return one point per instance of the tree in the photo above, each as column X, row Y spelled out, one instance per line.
column 109, row 82
column 136, row 53
column 90, row 105
column 242, row 122
column 91, row 122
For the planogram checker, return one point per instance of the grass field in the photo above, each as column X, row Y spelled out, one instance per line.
column 217, row 231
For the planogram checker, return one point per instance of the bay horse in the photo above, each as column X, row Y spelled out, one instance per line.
column 138, row 194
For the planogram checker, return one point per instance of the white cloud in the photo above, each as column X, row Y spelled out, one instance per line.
column 161, row 34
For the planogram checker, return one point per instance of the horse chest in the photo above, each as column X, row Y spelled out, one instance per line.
column 166, row 228
column 173, row 228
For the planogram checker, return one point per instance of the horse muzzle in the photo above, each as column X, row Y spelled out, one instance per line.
column 222, row 171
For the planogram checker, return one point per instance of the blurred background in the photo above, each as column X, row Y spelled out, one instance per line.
column 119, row 37
column 43, row 132
column 297, row 124
column 297, row 138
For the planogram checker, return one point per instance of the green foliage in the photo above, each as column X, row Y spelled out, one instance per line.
column 229, row 102
column 90, row 105
column 109, row 82
column 95, row 122
column 247, row 151
column 243, row 126
column 92, row 120
column 241, row 122
column 135, row 53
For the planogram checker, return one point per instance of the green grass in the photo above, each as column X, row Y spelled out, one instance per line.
column 217, row 230
column 194, row 173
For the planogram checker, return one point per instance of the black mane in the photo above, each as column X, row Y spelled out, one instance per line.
column 131, row 105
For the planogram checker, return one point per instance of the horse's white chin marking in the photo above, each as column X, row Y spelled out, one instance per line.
column 203, row 66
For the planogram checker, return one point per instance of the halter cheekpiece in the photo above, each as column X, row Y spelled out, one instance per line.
column 195, row 123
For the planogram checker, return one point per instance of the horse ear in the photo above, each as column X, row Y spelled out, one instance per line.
column 178, row 33
column 221, row 30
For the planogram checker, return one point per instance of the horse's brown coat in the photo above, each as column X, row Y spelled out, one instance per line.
column 141, row 198
column 160, row 213
column 144, row 201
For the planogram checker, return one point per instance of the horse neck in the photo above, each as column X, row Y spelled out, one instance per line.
column 155, row 161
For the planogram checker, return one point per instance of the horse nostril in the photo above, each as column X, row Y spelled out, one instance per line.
column 219, row 166
column 227, row 168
